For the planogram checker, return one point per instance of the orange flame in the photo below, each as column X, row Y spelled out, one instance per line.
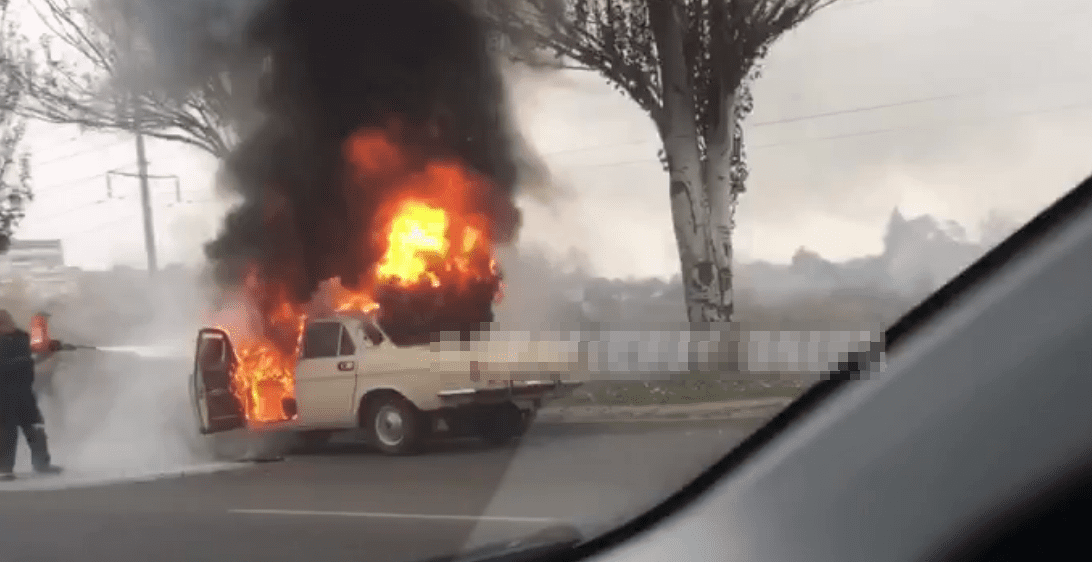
column 416, row 232
column 431, row 240
column 263, row 381
column 263, row 374
column 344, row 300
column 424, row 245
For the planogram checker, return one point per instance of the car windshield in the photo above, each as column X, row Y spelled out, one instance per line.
column 650, row 225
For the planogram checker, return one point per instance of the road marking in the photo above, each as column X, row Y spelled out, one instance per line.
column 376, row 515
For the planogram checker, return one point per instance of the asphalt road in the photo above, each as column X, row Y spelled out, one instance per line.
column 346, row 502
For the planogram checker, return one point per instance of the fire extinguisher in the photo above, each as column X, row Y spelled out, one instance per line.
column 40, row 342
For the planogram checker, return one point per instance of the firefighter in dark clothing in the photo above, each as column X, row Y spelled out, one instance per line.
column 18, row 404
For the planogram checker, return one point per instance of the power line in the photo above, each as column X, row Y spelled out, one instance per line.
column 79, row 152
column 590, row 148
column 843, row 5
column 852, row 110
column 981, row 91
column 66, row 184
column 920, row 38
column 86, row 206
column 996, row 117
column 52, row 188
column 986, row 90
column 70, row 210
column 55, row 140
column 782, row 121
column 101, row 226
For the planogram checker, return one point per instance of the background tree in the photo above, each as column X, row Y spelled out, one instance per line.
column 688, row 64
column 102, row 58
column 15, row 191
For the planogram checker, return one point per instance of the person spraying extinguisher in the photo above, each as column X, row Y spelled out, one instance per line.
column 18, row 403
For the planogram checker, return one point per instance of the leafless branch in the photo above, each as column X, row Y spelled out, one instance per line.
column 15, row 192
column 57, row 92
column 724, row 40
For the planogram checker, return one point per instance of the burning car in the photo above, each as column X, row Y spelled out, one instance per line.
column 398, row 353
column 375, row 183
column 351, row 374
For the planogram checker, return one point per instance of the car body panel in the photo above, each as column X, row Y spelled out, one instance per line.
column 331, row 389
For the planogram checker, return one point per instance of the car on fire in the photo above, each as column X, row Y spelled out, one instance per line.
column 351, row 375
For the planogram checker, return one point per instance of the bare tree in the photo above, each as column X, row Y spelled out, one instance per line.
column 94, row 68
column 689, row 65
column 15, row 190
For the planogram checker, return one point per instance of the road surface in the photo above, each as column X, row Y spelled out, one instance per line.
column 346, row 502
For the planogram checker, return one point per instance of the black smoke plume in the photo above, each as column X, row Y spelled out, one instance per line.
column 420, row 70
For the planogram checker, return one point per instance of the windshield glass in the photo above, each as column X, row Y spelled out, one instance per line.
column 661, row 222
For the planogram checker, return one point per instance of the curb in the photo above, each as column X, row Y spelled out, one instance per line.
column 606, row 421
column 741, row 414
column 727, row 410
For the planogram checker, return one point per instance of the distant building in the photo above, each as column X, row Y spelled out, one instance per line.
column 26, row 254
column 40, row 264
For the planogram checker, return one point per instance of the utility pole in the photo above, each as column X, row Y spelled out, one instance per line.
column 145, row 194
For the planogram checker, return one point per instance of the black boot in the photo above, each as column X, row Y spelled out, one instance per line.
column 39, row 449
column 9, row 435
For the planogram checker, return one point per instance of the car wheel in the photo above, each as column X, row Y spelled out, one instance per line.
column 395, row 425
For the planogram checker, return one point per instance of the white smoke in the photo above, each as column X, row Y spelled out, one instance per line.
column 124, row 410
column 111, row 412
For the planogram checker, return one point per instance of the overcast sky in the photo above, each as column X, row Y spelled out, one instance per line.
column 950, row 107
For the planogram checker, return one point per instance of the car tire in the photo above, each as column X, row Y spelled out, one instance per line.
column 394, row 425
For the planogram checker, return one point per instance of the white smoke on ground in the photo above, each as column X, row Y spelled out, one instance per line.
column 119, row 412
column 124, row 409
column 123, row 414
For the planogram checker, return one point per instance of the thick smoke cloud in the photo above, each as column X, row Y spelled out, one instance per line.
column 419, row 72
column 309, row 76
column 337, row 68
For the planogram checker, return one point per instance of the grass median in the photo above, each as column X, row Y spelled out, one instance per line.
column 690, row 390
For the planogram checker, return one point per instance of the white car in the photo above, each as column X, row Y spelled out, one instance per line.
column 351, row 375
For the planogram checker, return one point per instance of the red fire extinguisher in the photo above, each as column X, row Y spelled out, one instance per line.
column 39, row 333
column 41, row 342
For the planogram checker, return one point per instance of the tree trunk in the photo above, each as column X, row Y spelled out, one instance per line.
column 690, row 204
column 717, row 177
column 720, row 148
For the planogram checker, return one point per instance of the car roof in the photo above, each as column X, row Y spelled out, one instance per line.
column 353, row 316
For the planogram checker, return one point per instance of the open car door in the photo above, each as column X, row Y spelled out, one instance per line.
column 218, row 409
